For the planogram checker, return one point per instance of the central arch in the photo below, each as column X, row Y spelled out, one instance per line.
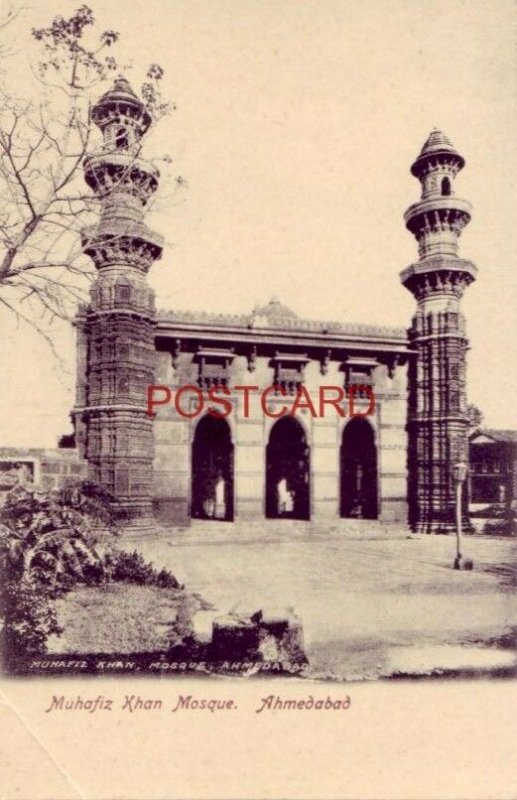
column 358, row 468
column 212, row 470
column 287, row 471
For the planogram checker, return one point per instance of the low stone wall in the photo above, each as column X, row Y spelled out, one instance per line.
column 48, row 468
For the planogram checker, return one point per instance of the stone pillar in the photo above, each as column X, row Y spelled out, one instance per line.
column 117, row 327
column 437, row 421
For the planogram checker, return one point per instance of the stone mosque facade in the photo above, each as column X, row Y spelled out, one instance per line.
column 392, row 463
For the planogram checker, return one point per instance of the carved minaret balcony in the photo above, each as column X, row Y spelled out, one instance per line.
column 437, row 423
column 117, row 328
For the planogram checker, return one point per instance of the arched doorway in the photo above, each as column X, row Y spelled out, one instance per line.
column 212, row 470
column 287, row 471
column 358, row 467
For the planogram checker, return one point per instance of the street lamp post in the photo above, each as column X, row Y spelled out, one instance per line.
column 459, row 472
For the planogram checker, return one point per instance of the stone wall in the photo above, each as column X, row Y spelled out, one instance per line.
column 48, row 468
column 174, row 437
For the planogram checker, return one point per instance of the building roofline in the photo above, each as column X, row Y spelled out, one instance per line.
column 207, row 322
column 496, row 434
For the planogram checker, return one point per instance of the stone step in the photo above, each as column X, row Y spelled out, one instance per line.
column 201, row 532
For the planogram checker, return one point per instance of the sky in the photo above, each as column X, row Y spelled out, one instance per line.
column 295, row 128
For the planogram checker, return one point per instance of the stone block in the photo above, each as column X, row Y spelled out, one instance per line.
column 393, row 486
column 249, row 486
column 325, row 487
column 170, row 431
column 326, row 509
column 168, row 483
column 250, row 508
column 171, row 510
column 325, row 460
column 393, row 461
column 78, row 469
column 270, row 635
column 171, row 456
column 234, row 637
column 394, row 510
column 325, row 433
column 52, row 468
column 251, row 460
column 250, row 432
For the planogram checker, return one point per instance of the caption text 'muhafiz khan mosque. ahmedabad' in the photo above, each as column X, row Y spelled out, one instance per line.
column 393, row 465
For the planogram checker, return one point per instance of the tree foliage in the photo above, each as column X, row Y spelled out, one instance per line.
column 51, row 537
column 29, row 618
column 66, row 55
column 44, row 202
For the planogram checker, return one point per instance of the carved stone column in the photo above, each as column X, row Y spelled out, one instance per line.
column 117, row 327
column 437, row 422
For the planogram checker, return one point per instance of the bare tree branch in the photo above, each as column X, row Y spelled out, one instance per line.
column 44, row 204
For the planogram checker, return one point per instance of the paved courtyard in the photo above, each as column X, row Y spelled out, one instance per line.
column 372, row 601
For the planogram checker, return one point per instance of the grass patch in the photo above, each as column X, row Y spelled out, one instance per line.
column 124, row 618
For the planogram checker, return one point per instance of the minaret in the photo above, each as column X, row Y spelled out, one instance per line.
column 437, row 423
column 116, row 330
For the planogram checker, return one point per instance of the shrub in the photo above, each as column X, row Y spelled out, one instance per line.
column 29, row 618
column 132, row 568
column 51, row 538
column 48, row 544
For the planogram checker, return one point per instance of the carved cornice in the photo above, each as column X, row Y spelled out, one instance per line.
column 440, row 282
column 106, row 249
column 438, row 275
column 110, row 172
column 438, row 214
column 295, row 324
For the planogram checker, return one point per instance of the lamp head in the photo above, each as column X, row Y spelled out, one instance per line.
column 459, row 471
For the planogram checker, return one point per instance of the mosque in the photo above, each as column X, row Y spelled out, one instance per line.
column 393, row 464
